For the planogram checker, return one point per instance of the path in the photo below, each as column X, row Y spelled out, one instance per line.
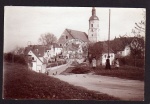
column 58, row 69
column 121, row 88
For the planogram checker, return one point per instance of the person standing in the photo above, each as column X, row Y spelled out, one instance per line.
column 116, row 63
column 108, row 63
column 94, row 63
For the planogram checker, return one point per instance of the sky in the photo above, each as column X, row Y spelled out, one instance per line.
column 23, row 25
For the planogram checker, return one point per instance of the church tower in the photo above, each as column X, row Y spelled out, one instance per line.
column 93, row 33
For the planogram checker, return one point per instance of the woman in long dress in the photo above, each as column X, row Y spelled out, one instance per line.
column 117, row 63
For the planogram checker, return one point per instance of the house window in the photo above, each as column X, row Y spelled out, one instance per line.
column 91, row 25
column 66, row 37
column 111, row 55
column 60, row 44
column 92, row 30
column 92, row 34
column 105, row 56
column 32, row 58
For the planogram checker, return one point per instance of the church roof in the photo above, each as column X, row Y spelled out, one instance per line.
column 72, row 34
column 78, row 35
column 93, row 18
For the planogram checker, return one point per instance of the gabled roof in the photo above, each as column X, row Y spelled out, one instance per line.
column 78, row 35
column 119, row 44
column 73, row 34
column 38, row 50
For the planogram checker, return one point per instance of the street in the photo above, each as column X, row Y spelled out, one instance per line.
column 132, row 90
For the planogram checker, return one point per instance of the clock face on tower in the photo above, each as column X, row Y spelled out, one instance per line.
column 75, row 48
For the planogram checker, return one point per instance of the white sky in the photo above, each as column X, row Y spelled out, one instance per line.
column 23, row 24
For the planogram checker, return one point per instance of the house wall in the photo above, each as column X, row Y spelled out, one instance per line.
column 104, row 57
column 126, row 51
column 36, row 63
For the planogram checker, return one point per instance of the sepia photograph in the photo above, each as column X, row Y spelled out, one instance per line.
column 74, row 53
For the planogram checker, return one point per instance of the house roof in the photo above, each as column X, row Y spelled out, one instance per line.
column 119, row 44
column 38, row 50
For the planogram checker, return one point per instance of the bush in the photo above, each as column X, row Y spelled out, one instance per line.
column 80, row 70
column 130, row 61
column 10, row 57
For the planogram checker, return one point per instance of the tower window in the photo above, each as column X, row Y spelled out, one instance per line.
column 91, row 25
column 92, row 34
column 92, row 30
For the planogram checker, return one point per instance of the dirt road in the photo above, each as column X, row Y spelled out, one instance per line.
column 124, row 89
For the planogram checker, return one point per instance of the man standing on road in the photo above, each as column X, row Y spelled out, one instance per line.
column 108, row 63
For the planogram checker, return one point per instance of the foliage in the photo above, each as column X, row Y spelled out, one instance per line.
column 10, row 57
column 125, row 72
column 80, row 69
column 47, row 39
column 129, row 60
column 137, row 46
column 95, row 50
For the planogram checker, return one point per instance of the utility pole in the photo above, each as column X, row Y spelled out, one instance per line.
column 109, row 33
column 107, row 60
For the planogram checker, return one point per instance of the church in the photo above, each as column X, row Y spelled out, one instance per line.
column 70, row 38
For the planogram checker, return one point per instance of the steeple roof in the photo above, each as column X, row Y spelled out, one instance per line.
column 93, row 17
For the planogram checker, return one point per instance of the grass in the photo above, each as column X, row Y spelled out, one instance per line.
column 125, row 72
column 21, row 83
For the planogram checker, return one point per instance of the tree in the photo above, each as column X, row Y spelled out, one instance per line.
column 95, row 50
column 47, row 39
column 139, row 28
column 137, row 48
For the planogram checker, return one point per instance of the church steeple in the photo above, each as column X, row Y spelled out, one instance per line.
column 93, row 11
column 93, row 33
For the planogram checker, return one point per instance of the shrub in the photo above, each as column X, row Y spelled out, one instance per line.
column 10, row 57
column 130, row 61
column 80, row 69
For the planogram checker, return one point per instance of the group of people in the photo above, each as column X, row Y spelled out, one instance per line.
column 116, row 63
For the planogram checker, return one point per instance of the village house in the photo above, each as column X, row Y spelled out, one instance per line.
column 34, row 57
column 51, row 51
column 37, row 56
